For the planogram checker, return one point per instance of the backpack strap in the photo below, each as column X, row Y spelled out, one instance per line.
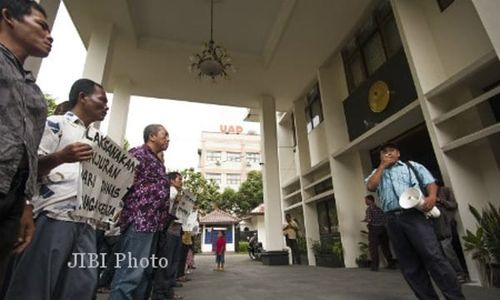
column 417, row 176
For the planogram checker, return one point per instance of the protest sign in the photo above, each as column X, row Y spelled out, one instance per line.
column 104, row 180
column 185, row 206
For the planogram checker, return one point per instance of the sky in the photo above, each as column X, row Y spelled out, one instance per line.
column 65, row 65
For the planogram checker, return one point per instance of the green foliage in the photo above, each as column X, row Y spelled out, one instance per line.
column 337, row 249
column 208, row 196
column 206, row 191
column 250, row 194
column 476, row 244
column 243, row 246
column 325, row 248
column 228, row 200
column 485, row 244
column 302, row 244
column 51, row 104
column 363, row 247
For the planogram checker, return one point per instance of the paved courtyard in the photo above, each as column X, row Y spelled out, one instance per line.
column 247, row 280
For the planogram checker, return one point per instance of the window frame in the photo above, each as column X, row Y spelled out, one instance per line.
column 313, row 98
column 231, row 179
column 380, row 18
column 233, row 156
column 213, row 156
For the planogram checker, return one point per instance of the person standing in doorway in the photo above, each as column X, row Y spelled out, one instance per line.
column 377, row 234
column 290, row 231
column 444, row 226
column 411, row 232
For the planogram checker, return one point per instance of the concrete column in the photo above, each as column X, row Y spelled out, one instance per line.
column 488, row 11
column 98, row 52
column 347, row 170
column 303, row 162
column 51, row 7
column 286, row 151
column 270, row 175
column 303, row 154
column 119, row 111
column 333, row 88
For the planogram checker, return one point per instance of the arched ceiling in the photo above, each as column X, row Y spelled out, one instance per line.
column 277, row 46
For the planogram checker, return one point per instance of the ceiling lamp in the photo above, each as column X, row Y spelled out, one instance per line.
column 213, row 61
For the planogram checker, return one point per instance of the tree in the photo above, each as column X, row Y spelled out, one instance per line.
column 229, row 200
column 51, row 104
column 206, row 191
column 250, row 194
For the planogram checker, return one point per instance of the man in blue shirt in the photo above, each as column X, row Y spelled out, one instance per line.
column 410, row 231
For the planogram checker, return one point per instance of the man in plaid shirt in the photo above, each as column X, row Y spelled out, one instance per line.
column 377, row 234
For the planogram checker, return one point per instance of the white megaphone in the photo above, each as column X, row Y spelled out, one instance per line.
column 413, row 198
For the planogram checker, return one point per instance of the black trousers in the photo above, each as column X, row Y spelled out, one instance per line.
column 181, row 268
column 11, row 209
column 377, row 236
column 292, row 243
column 419, row 254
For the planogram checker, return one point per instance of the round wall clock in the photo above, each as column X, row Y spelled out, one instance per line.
column 378, row 96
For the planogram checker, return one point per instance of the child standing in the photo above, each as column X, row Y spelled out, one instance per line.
column 220, row 250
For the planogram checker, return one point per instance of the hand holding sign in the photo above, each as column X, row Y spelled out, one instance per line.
column 105, row 177
column 76, row 152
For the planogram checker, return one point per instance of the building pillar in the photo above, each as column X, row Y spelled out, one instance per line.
column 347, row 169
column 119, row 111
column 51, row 7
column 270, row 175
column 98, row 52
column 488, row 13
column 303, row 165
column 303, row 153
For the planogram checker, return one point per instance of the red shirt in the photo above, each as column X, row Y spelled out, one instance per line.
column 220, row 245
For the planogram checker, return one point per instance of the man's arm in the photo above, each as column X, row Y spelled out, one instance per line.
column 374, row 179
column 448, row 200
column 430, row 200
column 71, row 153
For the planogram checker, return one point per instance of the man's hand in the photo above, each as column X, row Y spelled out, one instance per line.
column 75, row 152
column 26, row 230
column 429, row 203
column 387, row 160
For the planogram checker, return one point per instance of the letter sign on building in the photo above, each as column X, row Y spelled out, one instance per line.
column 231, row 129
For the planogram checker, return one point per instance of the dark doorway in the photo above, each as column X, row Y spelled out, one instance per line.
column 415, row 144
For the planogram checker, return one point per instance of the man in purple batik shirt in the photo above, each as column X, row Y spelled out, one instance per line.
column 143, row 215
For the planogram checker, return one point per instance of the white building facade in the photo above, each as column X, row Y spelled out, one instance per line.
column 227, row 156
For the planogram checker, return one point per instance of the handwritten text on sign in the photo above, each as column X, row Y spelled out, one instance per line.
column 105, row 179
column 185, row 206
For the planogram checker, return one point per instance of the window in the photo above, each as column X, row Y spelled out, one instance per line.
column 253, row 157
column 216, row 177
column 213, row 155
column 376, row 42
column 234, row 156
column 233, row 179
column 327, row 217
column 314, row 109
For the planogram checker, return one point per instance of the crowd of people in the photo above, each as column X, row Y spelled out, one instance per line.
column 39, row 174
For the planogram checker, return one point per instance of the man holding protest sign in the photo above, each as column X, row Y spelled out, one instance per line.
column 143, row 215
column 58, row 235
